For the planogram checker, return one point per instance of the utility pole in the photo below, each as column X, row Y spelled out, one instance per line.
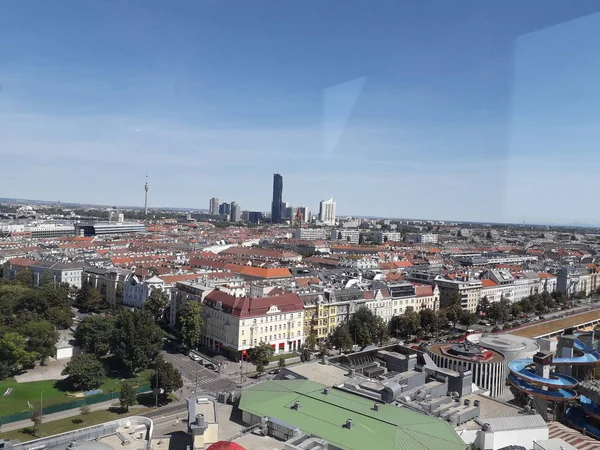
column 157, row 388
column 41, row 412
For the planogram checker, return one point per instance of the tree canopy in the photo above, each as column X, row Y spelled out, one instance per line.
column 128, row 396
column 41, row 338
column 166, row 378
column 88, row 298
column 156, row 303
column 84, row 372
column 366, row 328
column 340, row 338
column 190, row 324
column 137, row 340
column 260, row 356
column 95, row 334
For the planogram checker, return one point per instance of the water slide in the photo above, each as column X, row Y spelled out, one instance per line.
column 556, row 387
column 579, row 420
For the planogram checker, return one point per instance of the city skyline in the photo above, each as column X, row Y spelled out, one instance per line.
column 456, row 121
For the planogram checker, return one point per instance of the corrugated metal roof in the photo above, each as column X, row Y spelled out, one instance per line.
column 515, row 422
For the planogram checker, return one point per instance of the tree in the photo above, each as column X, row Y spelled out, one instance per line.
column 260, row 356
column 128, row 396
column 191, row 324
column 156, row 303
column 427, row 319
column 382, row 333
column 41, row 337
column 137, row 340
column 95, row 333
column 516, row 310
column 84, row 410
column 13, row 353
column 281, row 363
column 453, row 313
column 311, row 341
column 340, row 337
column 88, row 298
column 166, row 378
column 36, row 418
column 526, row 305
column 305, row 353
column 467, row 318
column 84, row 372
column 365, row 327
column 497, row 313
column 24, row 277
column 484, row 304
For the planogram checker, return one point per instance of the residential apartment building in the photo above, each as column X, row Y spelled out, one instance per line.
column 59, row 272
column 325, row 311
column 311, row 234
column 327, row 212
column 108, row 282
column 380, row 303
column 423, row 238
column 136, row 291
column 468, row 293
column 235, row 324
column 352, row 236
column 548, row 282
column 574, row 280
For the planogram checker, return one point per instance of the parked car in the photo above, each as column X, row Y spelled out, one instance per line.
column 195, row 357
column 274, row 372
column 210, row 366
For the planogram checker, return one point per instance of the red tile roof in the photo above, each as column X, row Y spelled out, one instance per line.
column 22, row 262
column 488, row 283
column 252, row 307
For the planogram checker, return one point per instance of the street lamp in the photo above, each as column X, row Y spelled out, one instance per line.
column 41, row 411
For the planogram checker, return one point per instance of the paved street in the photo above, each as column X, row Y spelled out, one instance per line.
column 192, row 372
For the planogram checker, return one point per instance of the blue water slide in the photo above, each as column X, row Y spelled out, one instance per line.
column 557, row 395
column 520, row 369
column 578, row 419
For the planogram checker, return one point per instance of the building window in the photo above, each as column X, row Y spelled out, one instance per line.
column 254, row 321
column 242, row 332
column 298, row 333
column 244, row 342
column 298, row 314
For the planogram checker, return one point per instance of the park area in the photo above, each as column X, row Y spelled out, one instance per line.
column 21, row 396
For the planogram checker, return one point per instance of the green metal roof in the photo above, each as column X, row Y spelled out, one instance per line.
column 324, row 415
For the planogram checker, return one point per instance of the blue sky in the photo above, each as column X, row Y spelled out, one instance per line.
column 462, row 110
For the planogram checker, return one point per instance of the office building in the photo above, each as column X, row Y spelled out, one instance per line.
column 213, row 206
column 224, row 209
column 311, row 234
column 277, row 203
column 327, row 212
column 101, row 228
column 236, row 212
column 255, row 216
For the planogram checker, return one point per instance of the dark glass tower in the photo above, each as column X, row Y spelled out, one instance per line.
column 277, row 203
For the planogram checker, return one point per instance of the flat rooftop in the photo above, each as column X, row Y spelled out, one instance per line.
column 553, row 326
column 325, row 416
column 437, row 349
column 326, row 374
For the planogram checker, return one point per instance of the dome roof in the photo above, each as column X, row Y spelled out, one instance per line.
column 224, row 445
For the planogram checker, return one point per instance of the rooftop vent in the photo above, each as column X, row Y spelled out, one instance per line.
column 326, row 391
column 296, row 405
column 376, row 407
column 349, row 424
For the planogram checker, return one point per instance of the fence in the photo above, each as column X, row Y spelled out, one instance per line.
column 59, row 407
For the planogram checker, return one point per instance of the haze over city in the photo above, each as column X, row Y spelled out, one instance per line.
column 468, row 113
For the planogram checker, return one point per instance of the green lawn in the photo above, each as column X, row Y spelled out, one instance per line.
column 71, row 423
column 284, row 356
column 54, row 392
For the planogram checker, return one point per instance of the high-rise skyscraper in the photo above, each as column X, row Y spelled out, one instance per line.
column 213, row 206
column 224, row 209
column 327, row 212
column 236, row 212
column 277, row 203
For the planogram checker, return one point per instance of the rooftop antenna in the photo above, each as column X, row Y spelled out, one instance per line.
column 146, row 197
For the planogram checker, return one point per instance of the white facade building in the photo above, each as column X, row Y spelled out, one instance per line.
column 311, row 234
column 327, row 212
column 136, row 292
